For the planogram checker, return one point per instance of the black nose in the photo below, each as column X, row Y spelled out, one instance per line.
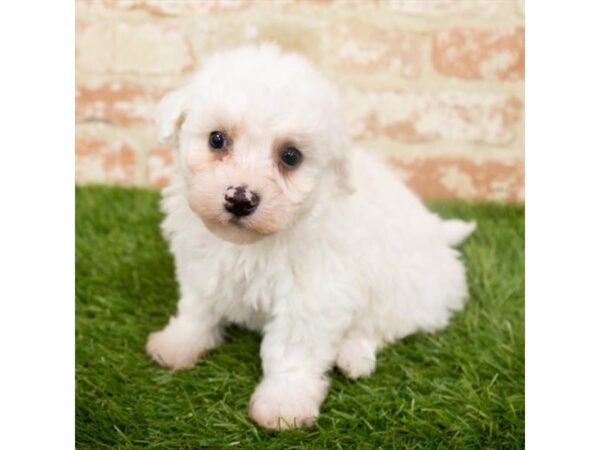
column 240, row 201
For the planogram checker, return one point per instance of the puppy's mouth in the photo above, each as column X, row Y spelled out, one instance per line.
column 236, row 230
column 237, row 221
column 241, row 223
column 247, row 224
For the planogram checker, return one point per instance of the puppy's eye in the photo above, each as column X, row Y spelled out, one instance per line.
column 217, row 140
column 291, row 156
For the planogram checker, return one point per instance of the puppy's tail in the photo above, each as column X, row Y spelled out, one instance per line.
column 456, row 231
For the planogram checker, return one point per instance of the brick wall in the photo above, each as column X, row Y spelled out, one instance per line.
column 437, row 86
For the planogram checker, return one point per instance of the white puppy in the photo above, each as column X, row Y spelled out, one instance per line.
column 278, row 224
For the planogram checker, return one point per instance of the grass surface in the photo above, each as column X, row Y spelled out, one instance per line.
column 460, row 388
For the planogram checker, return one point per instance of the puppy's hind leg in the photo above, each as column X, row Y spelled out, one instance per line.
column 357, row 355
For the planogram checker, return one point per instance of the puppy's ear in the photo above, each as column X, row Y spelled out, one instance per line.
column 169, row 116
column 344, row 169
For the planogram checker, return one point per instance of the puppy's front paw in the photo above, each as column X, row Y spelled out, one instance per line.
column 280, row 404
column 356, row 358
column 179, row 346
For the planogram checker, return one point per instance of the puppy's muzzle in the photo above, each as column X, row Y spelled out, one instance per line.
column 240, row 201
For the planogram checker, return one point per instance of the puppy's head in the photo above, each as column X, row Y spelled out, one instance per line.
column 261, row 140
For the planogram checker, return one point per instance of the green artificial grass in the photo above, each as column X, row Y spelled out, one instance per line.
column 460, row 388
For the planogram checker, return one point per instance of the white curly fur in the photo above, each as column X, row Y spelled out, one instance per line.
column 338, row 259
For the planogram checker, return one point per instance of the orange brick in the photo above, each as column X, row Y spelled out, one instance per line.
column 160, row 166
column 171, row 8
column 360, row 48
column 115, row 103
column 453, row 116
column 456, row 177
column 444, row 7
column 472, row 53
column 330, row 4
column 103, row 161
column 140, row 49
column 94, row 6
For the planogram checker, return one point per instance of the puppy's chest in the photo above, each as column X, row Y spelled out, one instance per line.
column 251, row 286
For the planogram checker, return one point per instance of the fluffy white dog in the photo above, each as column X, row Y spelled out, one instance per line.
column 278, row 224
